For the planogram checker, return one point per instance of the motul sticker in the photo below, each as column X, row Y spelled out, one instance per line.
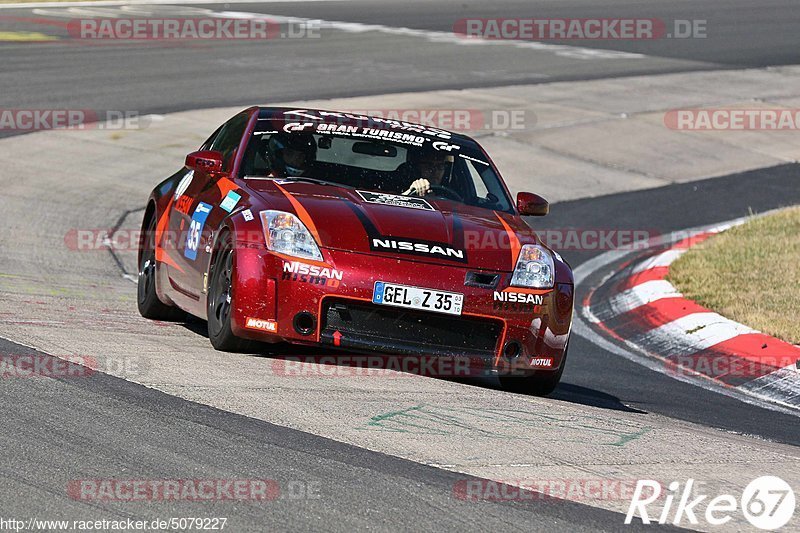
column 262, row 325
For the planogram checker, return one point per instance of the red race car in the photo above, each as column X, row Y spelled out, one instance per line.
column 373, row 235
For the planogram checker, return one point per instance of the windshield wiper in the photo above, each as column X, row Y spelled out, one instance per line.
column 295, row 178
column 311, row 180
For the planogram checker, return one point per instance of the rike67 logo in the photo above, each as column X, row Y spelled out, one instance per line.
column 768, row 503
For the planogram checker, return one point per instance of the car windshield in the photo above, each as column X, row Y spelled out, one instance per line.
column 380, row 157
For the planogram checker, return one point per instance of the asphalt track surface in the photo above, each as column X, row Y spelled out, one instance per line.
column 149, row 78
column 56, row 430
column 94, row 428
column 740, row 34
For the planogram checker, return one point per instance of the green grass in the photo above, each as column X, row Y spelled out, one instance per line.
column 750, row 274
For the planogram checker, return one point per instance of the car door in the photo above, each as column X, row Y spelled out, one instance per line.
column 197, row 213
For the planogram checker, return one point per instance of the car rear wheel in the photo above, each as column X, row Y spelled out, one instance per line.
column 147, row 297
column 536, row 384
column 220, row 299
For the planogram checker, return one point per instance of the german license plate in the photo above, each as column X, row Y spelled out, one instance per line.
column 417, row 298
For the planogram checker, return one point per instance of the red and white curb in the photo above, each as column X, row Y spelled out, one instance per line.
column 640, row 309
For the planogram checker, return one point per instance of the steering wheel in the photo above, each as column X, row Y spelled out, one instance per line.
column 446, row 192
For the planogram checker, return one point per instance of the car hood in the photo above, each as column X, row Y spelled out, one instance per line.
column 433, row 231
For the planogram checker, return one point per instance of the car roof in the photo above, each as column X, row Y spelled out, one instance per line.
column 355, row 119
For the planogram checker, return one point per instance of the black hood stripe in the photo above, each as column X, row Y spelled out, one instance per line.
column 369, row 226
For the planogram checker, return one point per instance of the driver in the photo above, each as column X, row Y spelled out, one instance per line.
column 291, row 155
column 427, row 170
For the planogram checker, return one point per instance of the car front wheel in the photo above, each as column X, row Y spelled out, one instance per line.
column 220, row 299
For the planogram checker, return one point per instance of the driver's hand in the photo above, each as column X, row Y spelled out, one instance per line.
column 420, row 187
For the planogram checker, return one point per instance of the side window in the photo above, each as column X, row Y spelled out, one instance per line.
column 486, row 188
column 477, row 180
column 228, row 139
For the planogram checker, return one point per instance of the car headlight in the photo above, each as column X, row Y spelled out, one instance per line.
column 534, row 268
column 285, row 234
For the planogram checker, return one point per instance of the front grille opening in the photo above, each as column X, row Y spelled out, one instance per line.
column 394, row 330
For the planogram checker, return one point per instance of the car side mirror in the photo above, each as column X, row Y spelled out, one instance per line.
column 532, row 204
column 205, row 161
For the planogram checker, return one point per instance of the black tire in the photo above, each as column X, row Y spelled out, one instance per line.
column 535, row 384
column 220, row 300
column 146, row 295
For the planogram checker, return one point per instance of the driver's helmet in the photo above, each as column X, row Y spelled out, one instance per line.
column 426, row 154
column 291, row 154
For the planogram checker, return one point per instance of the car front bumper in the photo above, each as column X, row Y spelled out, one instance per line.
column 275, row 302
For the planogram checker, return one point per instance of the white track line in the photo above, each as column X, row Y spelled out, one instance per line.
column 574, row 52
column 445, row 37
column 782, row 382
